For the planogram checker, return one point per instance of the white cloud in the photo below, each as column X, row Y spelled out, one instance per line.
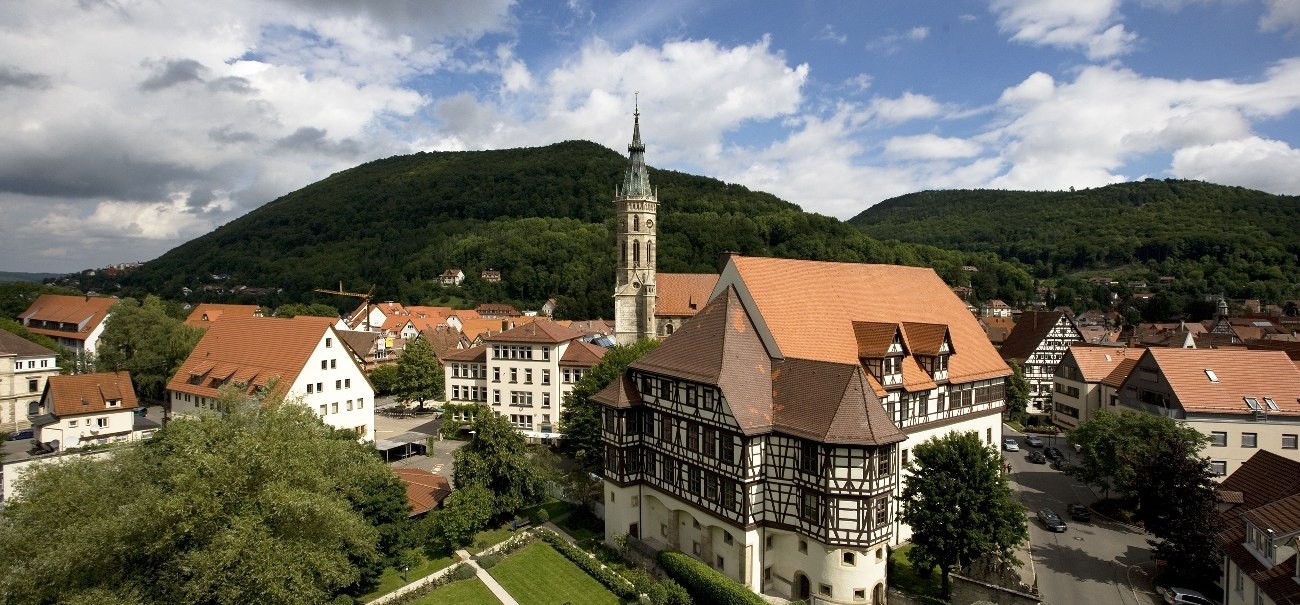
column 930, row 147
column 829, row 34
column 1091, row 26
column 893, row 42
column 1280, row 15
column 859, row 82
column 909, row 106
column 1250, row 162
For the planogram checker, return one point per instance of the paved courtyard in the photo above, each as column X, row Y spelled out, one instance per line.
column 437, row 460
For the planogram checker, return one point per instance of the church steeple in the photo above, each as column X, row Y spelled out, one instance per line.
column 636, row 208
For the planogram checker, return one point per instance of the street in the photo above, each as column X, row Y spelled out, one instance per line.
column 1097, row 562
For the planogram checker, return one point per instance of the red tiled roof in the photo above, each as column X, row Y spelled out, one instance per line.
column 619, row 393
column 1116, row 377
column 260, row 349
column 474, row 354
column 90, row 393
column 205, row 313
column 12, row 344
column 1096, row 363
column 538, row 331
column 425, row 491
column 85, row 311
column 1240, row 372
column 583, row 354
column 682, row 294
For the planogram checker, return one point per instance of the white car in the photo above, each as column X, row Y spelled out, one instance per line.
column 1009, row 444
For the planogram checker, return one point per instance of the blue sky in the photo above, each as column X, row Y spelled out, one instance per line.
column 129, row 127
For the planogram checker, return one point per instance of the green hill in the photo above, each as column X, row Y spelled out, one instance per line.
column 1209, row 238
column 542, row 216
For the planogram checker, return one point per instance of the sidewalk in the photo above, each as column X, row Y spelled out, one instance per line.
column 487, row 578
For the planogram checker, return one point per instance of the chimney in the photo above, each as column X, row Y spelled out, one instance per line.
column 723, row 258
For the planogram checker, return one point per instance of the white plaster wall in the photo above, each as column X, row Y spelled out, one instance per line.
column 980, row 424
column 344, row 369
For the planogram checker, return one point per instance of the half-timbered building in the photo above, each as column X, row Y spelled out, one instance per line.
column 768, row 436
column 1038, row 343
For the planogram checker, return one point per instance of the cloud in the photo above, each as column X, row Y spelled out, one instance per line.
column 171, row 72
column 1090, row 26
column 1251, row 162
column 829, row 34
column 1280, row 15
column 909, row 106
column 12, row 77
column 893, row 42
column 930, row 147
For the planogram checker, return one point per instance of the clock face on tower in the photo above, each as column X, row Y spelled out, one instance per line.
column 649, row 223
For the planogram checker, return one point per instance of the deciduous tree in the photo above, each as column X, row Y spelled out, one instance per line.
column 959, row 505
column 465, row 512
column 497, row 459
column 145, row 339
column 1114, row 447
column 580, row 418
column 313, row 309
column 1178, row 507
column 419, row 375
column 1017, row 393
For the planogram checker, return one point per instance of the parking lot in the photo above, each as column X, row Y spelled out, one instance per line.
column 1100, row 561
column 438, row 458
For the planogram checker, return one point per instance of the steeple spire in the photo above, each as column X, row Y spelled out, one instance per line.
column 637, row 180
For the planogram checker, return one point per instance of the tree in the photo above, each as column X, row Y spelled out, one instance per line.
column 264, row 504
column 959, row 505
column 1178, row 506
column 580, row 418
column 419, row 375
column 143, row 338
column 465, row 512
column 1114, row 447
column 496, row 458
column 314, row 309
column 384, row 377
column 1017, row 393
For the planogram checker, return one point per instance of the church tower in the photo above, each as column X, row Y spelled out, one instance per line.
column 635, row 209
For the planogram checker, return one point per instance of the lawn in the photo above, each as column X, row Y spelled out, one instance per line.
column 488, row 538
column 463, row 592
column 538, row 574
column 904, row 578
column 391, row 579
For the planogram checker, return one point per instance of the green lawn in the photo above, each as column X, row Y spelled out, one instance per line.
column 391, row 579
column 905, row 579
column 537, row 574
column 488, row 538
column 463, row 592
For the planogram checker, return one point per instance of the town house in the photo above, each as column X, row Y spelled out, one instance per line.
column 89, row 409
column 1087, row 379
column 1038, row 343
column 75, row 322
column 1260, row 521
column 25, row 368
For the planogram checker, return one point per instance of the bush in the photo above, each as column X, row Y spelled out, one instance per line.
column 540, row 516
column 616, row 584
column 705, row 584
column 676, row 595
column 464, row 571
column 488, row 561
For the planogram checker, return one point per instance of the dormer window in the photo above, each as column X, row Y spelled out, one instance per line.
column 1253, row 404
column 893, row 365
column 1260, row 542
column 113, row 403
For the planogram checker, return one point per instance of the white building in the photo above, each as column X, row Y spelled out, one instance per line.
column 767, row 436
column 89, row 409
column 522, row 373
column 1087, row 379
column 24, row 369
column 1038, row 343
column 304, row 357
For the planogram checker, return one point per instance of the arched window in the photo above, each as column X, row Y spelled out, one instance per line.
column 669, row 329
column 624, row 253
column 636, row 222
column 636, row 253
column 650, row 253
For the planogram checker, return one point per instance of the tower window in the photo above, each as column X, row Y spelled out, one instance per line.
column 636, row 222
column 636, row 253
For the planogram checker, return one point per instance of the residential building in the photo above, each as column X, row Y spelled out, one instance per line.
column 75, row 322
column 305, row 358
column 774, row 452
column 452, row 277
column 1038, row 342
column 1243, row 400
column 497, row 311
column 996, row 308
column 372, row 349
column 1260, row 531
column 204, row 313
column 25, row 367
column 522, row 373
column 491, row 276
column 89, row 409
column 1087, row 379
column 425, row 491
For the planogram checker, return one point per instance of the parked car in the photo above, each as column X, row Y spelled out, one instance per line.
column 1185, row 596
column 1036, row 457
column 1052, row 453
column 1033, row 441
column 1051, row 520
column 1078, row 512
column 1009, row 444
column 23, row 434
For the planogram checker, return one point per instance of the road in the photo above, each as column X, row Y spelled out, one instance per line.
column 1100, row 562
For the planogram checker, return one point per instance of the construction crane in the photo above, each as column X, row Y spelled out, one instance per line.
column 368, row 297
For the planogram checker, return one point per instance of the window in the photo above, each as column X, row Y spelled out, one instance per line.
column 347, row 383
column 338, row 385
column 320, row 387
column 849, row 558
column 768, row 543
column 1218, row 438
column 882, row 511
column 528, row 376
column 329, row 342
column 72, row 424
column 496, row 396
column 1249, row 439
column 33, row 384
column 334, row 407
column 546, row 377
column 859, row 594
column 808, row 457
column 809, row 507
column 1289, row 441
column 988, row 437
column 1219, row 467
column 904, row 457
column 349, row 405
column 546, row 353
column 803, row 546
column 310, row 388
column 496, row 374
column 323, row 410
column 546, row 400
column 324, row 365
column 824, row 589
column 101, row 422
column 514, row 374
column 726, row 538
column 721, row 562
column 361, row 403
column 882, row 464
column 333, row 363
column 1253, row 404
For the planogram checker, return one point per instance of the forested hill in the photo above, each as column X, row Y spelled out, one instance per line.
column 1210, row 238
column 542, row 216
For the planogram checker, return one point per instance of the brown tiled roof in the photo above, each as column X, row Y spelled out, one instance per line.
column 829, row 402
column 1269, row 485
column 619, row 393
column 874, row 338
column 475, row 354
column 1263, row 478
column 255, row 350
column 1116, row 377
column 359, row 342
column 795, row 296
column 539, row 331
column 497, row 309
column 1096, row 363
column 444, row 339
column 1292, row 348
column 589, row 326
column 924, row 339
column 1282, row 516
column 583, row 354
column 682, row 294
column 476, row 326
column 205, row 313
column 12, row 344
column 89, row 393
column 1032, row 328
column 67, row 309
column 721, row 346
column 425, row 491
column 1240, row 372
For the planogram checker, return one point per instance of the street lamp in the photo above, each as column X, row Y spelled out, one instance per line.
column 404, row 568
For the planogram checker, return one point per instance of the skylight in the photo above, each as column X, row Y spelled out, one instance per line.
column 1211, row 375
column 1272, row 405
column 1253, row 404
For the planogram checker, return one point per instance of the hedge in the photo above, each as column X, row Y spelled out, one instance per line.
column 590, row 564
column 705, row 584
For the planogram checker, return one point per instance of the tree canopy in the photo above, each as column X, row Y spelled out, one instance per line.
column 1113, row 447
column 265, row 504
column 419, row 375
column 497, row 458
column 959, row 504
column 580, row 419
column 147, row 340
column 1179, row 507
column 1017, row 392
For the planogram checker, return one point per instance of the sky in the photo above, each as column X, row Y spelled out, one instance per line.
column 128, row 127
